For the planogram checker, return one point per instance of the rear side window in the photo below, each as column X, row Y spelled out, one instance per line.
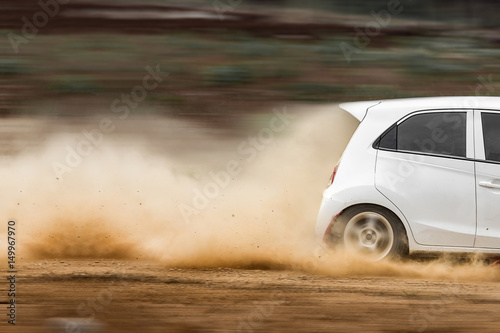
column 389, row 139
column 491, row 132
column 442, row 133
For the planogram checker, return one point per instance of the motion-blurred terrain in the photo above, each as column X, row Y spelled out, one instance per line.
column 145, row 297
column 225, row 57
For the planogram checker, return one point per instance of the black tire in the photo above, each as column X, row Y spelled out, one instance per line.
column 371, row 230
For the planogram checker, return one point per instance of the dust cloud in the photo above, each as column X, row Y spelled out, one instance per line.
column 197, row 198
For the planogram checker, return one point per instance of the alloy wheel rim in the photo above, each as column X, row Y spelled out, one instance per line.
column 369, row 233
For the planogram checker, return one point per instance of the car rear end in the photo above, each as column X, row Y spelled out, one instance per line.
column 352, row 180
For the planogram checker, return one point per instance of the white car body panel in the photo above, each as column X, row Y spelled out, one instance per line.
column 488, row 196
column 440, row 220
column 488, row 208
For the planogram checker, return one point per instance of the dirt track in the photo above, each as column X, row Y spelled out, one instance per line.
column 147, row 297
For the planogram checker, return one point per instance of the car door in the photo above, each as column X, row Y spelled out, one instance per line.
column 487, row 132
column 425, row 166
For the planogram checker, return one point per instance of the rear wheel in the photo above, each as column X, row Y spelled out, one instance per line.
column 370, row 230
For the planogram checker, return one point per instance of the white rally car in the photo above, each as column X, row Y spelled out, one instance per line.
column 418, row 175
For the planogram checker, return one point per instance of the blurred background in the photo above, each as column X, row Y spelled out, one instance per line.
column 62, row 57
column 200, row 80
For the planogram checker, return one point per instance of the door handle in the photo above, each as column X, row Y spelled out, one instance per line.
column 490, row 185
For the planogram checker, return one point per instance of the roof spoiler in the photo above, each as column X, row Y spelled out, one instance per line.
column 358, row 109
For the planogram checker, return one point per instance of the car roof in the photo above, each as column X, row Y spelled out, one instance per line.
column 401, row 107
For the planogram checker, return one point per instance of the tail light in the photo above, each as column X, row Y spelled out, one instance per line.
column 330, row 182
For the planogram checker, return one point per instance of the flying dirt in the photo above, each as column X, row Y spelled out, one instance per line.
column 165, row 200
column 187, row 195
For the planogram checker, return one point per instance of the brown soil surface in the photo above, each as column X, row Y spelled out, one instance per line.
column 125, row 296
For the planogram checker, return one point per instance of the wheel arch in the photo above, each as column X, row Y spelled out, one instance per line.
column 405, row 226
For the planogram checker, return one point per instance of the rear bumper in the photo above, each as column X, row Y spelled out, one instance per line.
column 328, row 211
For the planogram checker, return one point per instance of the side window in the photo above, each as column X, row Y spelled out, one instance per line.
column 491, row 132
column 443, row 133
column 389, row 138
